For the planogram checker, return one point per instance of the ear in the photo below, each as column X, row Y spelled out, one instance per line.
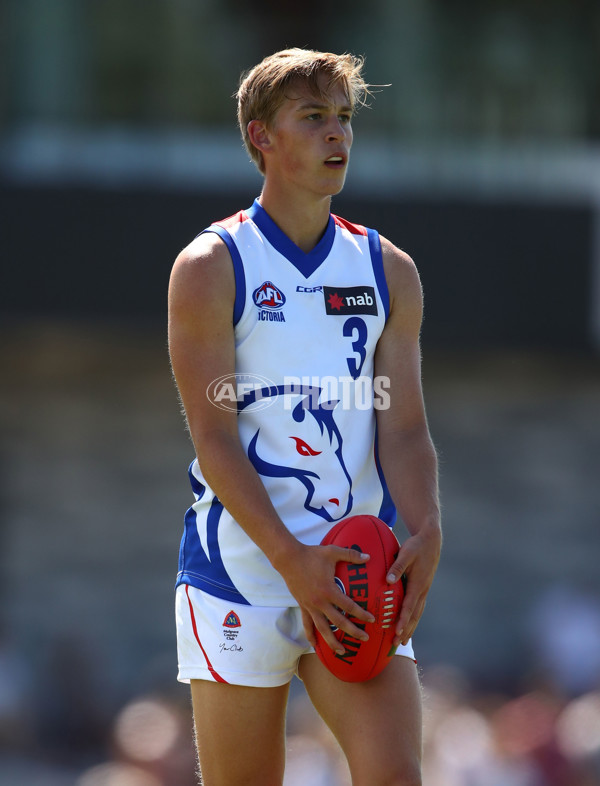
column 259, row 135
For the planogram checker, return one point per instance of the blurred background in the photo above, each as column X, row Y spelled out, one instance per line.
column 482, row 159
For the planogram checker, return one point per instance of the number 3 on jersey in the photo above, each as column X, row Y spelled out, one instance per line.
column 355, row 328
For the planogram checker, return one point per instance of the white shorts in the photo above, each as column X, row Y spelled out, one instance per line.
column 220, row 641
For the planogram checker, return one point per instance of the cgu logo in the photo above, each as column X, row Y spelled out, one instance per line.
column 268, row 296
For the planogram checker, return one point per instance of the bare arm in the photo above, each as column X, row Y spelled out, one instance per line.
column 201, row 345
column 407, row 454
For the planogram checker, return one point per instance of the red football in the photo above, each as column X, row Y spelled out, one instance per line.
column 366, row 584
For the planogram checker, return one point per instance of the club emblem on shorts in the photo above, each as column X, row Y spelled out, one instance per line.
column 230, row 624
column 269, row 299
column 232, row 620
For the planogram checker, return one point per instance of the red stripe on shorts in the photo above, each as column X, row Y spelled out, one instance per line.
column 208, row 663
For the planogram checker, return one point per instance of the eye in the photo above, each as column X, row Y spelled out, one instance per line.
column 304, row 449
column 345, row 118
column 314, row 116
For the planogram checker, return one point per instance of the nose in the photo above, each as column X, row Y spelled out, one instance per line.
column 335, row 130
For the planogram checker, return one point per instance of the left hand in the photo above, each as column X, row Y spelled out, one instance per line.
column 418, row 560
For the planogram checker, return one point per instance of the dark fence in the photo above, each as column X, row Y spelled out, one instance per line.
column 502, row 274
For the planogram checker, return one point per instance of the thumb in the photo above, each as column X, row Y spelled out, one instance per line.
column 399, row 568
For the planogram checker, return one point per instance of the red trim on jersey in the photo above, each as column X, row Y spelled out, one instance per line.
column 236, row 218
column 356, row 229
column 208, row 663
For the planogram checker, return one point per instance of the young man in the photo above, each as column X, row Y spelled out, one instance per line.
column 298, row 311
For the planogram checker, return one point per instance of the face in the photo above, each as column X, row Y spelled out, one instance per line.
column 310, row 140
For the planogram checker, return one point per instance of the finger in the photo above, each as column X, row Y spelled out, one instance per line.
column 324, row 628
column 309, row 627
column 408, row 620
column 341, row 600
column 409, row 604
column 351, row 608
column 412, row 625
column 342, row 554
column 344, row 623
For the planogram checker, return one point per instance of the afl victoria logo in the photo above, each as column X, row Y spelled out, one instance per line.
column 268, row 296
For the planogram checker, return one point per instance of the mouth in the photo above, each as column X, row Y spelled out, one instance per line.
column 337, row 161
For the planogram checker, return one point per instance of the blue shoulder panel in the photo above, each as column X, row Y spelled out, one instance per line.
column 238, row 271
column 377, row 260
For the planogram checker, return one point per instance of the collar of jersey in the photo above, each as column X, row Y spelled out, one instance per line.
column 305, row 263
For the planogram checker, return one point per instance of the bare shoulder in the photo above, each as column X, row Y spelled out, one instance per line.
column 206, row 259
column 404, row 284
column 202, row 273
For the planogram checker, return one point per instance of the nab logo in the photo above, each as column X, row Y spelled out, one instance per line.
column 268, row 296
column 232, row 620
column 350, row 300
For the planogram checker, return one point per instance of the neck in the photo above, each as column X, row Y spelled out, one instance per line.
column 303, row 218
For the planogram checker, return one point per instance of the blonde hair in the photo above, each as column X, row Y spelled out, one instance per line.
column 263, row 89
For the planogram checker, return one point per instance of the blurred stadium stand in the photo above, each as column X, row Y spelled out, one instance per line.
column 482, row 160
column 484, row 151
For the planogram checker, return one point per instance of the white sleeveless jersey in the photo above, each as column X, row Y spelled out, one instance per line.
column 306, row 328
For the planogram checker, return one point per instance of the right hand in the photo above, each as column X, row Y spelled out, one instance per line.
column 309, row 575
